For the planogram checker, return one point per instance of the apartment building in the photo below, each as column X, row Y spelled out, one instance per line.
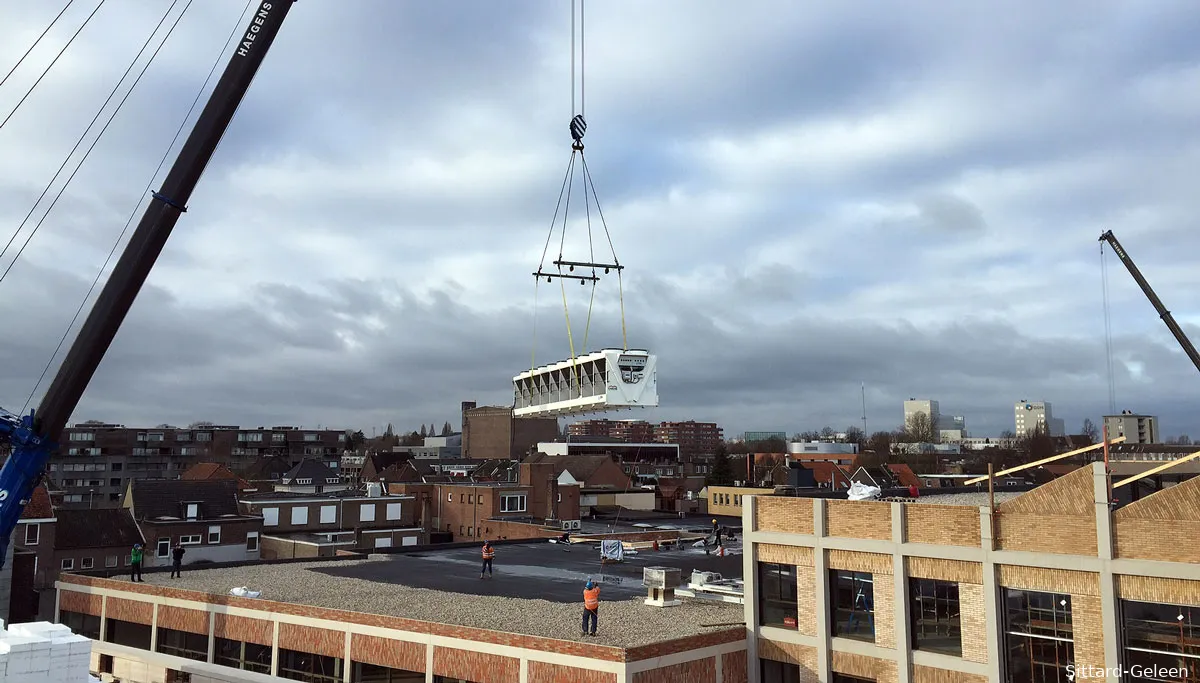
column 317, row 525
column 96, row 461
column 1051, row 585
column 202, row 515
column 633, row 431
column 494, row 433
column 1135, row 428
column 695, row 439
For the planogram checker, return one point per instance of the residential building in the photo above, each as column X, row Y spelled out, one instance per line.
column 448, row 446
column 1134, row 427
column 815, row 450
column 201, row 515
column 695, row 439
column 633, row 431
column 96, row 461
column 928, row 407
column 320, row 524
column 495, row 510
column 592, row 471
column 493, row 433
column 1029, row 415
column 646, row 461
column 307, row 626
column 311, row 476
column 1051, row 585
column 726, row 501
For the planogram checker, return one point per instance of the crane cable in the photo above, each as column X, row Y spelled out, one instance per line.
column 578, row 127
column 1108, row 340
column 132, row 214
column 35, row 43
column 52, row 63
column 83, row 136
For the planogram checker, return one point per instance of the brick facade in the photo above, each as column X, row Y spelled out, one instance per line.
column 541, row 672
column 475, row 666
column 733, row 667
column 695, row 671
column 973, row 622
column 859, row 519
column 784, row 515
column 879, row 670
column 942, row 525
column 387, row 652
column 885, row 619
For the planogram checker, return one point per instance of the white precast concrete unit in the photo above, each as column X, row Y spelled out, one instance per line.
column 603, row 380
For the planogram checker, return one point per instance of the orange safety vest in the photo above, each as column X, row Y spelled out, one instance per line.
column 591, row 598
column 488, row 552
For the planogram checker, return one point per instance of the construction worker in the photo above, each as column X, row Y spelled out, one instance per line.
column 488, row 554
column 177, row 560
column 591, row 603
column 135, row 563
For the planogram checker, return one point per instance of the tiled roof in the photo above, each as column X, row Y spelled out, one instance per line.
column 39, row 506
column 904, row 475
column 105, row 528
column 315, row 470
column 155, row 498
column 212, row 470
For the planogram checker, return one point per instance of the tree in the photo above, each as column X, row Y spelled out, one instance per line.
column 388, row 431
column 881, row 444
column 1037, row 443
column 431, row 431
column 1089, row 430
column 355, row 439
column 423, row 433
column 1181, row 440
column 722, row 471
column 1008, row 434
column 827, row 432
column 855, row 435
column 446, row 429
column 920, row 428
column 412, row 439
column 808, row 436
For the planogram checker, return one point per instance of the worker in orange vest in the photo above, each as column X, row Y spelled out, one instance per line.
column 591, row 603
column 488, row 554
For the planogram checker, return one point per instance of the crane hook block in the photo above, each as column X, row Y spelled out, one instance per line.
column 578, row 127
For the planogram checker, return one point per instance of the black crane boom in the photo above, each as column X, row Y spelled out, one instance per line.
column 1163, row 313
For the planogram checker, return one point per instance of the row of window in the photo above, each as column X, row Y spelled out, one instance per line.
column 1037, row 626
column 162, row 547
column 328, row 514
column 235, row 654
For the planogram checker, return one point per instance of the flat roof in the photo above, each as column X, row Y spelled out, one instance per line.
column 537, row 589
column 974, row 498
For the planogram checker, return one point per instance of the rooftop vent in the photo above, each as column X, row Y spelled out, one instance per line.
column 660, row 583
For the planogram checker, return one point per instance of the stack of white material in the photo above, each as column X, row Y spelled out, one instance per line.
column 41, row 651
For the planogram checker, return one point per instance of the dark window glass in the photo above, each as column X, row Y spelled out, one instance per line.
column 779, row 672
column 1038, row 637
column 936, row 625
column 853, row 604
column 81, row 624
column 846, row 678
column 310, row 668
column 1164, row 639
column 182, row 644
column 239, row 655
column 127, row 633
column 777, row 595
column 369, row 673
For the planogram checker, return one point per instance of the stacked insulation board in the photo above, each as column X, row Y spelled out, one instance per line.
column 41, row 652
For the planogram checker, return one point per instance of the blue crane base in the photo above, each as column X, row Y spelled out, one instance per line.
column 21, row 473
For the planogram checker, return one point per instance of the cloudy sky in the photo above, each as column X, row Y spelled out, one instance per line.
column 807, row 197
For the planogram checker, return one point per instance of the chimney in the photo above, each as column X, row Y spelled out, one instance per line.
column 553, row 486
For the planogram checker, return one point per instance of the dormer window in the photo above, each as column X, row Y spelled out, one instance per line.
column 192, row 510
column 304, row 482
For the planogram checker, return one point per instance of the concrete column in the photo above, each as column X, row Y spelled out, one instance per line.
column 750, row 589
column 103, row 618
column 821, row 588
column 275, row 648
column 901, row 605
column 1108, row 593
column 992, row 607
column 154, row 629
column 429, row 660
column 346, row 668
column 212, row 636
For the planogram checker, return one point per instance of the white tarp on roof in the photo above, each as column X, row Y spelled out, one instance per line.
column 860, row 491
column 612, row 550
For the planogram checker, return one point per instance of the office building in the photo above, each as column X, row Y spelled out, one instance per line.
column 914, row 406
column 1029, row 415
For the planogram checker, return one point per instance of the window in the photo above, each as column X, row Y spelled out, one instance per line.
column 32, row 533
column 328, row 514
column 846, row 678
column 1162, row 636
column 512, row 503
column 86, row 563
column 127, row 633
column 252, row 542
column 110, row 561
column 214, row 534
column 369, row 673
column 302, row 666
column 853, row 604
column 114, row 481
column 777, row 604
column 238, row 655
column 366, row 513
column 779, row 672
column 183, row 644
column 82, row 624
column 1038, row 636
column 68, row 563
column 204, row 436
column 279, row 437
column 299, row 515
column 449, row 497
column 193, row 510
column 393, row 511
column 936, row 625
column 163, row 548
column 309, row 436
column 193, row 539
column 270, row 516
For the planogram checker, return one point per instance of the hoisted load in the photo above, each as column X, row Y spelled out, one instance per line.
column 611, row 378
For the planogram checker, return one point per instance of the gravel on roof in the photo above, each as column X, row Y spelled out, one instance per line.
column 623, row 623
column 975, row 499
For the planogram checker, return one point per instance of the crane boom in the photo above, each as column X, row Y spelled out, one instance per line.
column 32, row 435
column 1163, row 313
